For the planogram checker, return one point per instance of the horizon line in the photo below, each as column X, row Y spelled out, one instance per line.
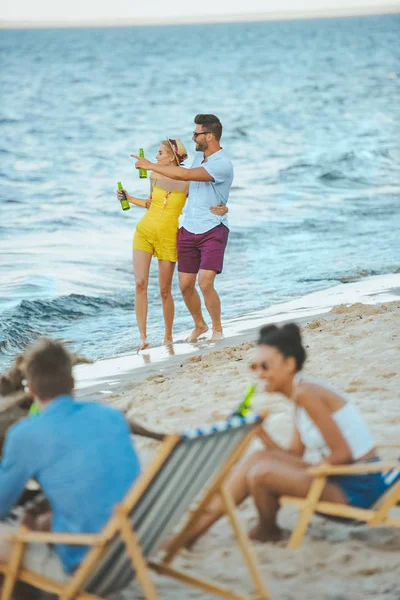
column 205, row 19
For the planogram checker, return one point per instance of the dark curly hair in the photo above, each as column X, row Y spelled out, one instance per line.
column 287, row 339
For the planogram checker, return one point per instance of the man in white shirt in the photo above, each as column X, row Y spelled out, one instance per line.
column 203, row 235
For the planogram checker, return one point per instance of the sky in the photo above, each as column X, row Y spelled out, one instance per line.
column 84, row 10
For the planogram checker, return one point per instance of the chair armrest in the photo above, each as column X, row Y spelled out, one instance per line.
column 354, row 469
column 70, row 539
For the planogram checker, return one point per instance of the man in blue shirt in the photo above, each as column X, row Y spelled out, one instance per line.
column 204, row 233
column 81, row 453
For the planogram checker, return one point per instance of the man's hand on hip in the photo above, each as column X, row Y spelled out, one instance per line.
column 219, row 210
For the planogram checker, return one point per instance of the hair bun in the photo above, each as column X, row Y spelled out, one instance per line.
column 293, row 331
column 268, row 329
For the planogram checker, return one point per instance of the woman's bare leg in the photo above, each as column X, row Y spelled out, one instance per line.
column 238, row 486
column 272, row 478
column 265, row 475
column 141, row 269
column 166, row 271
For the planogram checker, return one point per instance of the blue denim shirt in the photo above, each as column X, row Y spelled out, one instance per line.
column 82, row 455
column 197, row 217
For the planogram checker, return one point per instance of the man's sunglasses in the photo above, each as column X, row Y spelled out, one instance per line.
column 196, row 135
column 263, row 366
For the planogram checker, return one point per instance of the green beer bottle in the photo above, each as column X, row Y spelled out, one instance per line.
column 142, row 172
column 34, row 410
column 124, row 202
column 245, row 406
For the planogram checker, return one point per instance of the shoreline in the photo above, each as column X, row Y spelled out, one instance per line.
column 107, row 376
column 343, row 12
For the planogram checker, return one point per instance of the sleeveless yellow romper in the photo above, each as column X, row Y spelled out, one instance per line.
column 156, row 231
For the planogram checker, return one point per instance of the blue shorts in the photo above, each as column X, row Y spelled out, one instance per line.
column 364, row 490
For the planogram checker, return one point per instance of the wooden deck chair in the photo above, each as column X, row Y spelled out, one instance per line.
column 151, row 510
column 377, row 515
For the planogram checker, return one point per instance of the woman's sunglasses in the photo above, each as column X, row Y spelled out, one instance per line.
column 263, row 366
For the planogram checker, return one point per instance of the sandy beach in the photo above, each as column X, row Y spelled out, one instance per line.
column 357, row 349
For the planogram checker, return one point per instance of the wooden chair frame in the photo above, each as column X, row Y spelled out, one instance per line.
column 379, row 515
column 119, row 523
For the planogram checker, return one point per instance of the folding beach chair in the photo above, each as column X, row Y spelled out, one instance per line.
column 155, row 505
column 375, row 516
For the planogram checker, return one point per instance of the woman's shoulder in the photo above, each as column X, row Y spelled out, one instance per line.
column 309, row 389
column 310, row 392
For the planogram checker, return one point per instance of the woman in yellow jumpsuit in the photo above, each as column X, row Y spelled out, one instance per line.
column 155, row 235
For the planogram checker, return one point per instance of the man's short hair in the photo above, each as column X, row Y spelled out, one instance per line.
column 48, row 369
column 211, row 123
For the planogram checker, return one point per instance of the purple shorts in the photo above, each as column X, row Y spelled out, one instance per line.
column 202, row 250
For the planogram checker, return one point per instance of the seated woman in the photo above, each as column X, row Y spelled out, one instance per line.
column 324, row 421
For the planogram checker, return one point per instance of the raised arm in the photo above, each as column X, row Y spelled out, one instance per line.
column 178, row 173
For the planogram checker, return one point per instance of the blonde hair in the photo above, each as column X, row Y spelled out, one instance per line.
column 167, row 146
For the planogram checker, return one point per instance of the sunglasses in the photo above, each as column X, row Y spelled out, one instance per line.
column 196, row 135
column 263, row 366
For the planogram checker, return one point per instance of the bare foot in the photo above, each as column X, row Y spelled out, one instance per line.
column 168, row 343
column 167, row 340
column 196, row 333
column 260, row 534
column 143, row 345
column 216, row 336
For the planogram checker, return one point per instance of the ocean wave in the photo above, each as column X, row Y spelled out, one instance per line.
column 6, row 121
column 31, row 165
column 348, row 168
column 31, row 319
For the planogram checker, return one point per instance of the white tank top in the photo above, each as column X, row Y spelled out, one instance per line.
column 351, row 424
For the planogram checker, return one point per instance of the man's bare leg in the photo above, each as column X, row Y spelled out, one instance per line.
column 187, row 282
column 212, row 302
